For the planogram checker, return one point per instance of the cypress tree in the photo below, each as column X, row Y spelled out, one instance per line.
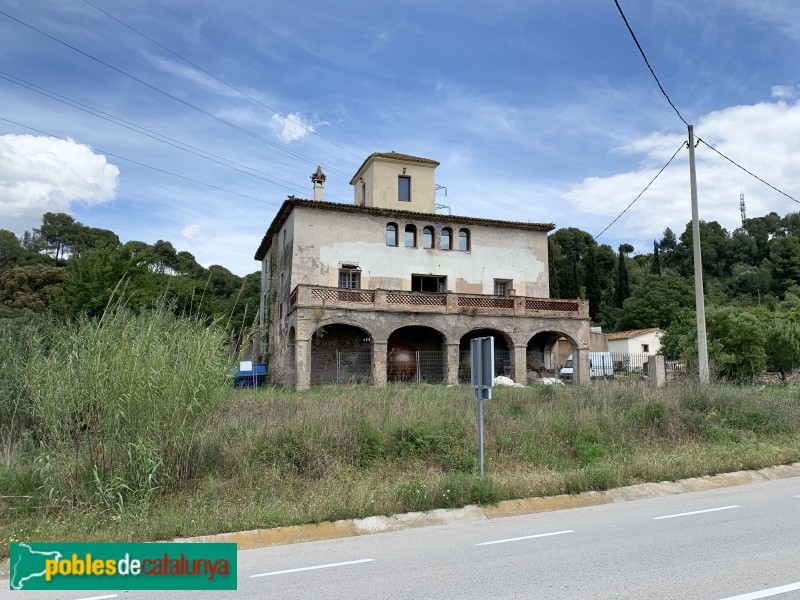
column 592, row 282
column 623, row 285
column 656, row 259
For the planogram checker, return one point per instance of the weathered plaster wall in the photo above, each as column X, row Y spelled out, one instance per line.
column 326, row 239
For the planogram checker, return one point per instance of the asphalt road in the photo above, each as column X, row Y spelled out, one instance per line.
column 740, row 542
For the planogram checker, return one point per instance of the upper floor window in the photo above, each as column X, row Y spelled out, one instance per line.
column 350, row 278
column 391, row 234
column 404, row 188
column 502, row 287
column 445, row 242
column 645, row 348
column 411, row 236
column 427, row 237
column 463, row 240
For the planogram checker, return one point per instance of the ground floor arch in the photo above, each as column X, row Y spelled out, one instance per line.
column 503, row 352
column 416, row 352
column 547, row 352
column 341, row 353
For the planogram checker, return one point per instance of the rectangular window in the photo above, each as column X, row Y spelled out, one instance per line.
column 350, row 279
column 429, row 283
column 502, row 287
column 645, row 348
column 404, row 188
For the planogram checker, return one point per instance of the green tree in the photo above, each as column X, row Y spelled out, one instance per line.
column 656, row 259
column 592, row 284
column 785, row 258
column 656, row 302
column 783, row 345
column 91, row 279
column 736, row 341
column 58, row 233
column 33, row 287
column 623, row 289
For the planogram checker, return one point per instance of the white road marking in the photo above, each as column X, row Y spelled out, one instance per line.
column 767, row 593
column 526, row 537
column 340, row 564
column 99, row 597
column 696, row 512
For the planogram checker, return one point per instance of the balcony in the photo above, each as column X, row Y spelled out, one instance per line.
column 314, row 296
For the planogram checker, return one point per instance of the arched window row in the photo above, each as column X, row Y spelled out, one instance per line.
column 448, row 240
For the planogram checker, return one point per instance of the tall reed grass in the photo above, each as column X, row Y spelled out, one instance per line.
column 100, row 412
column 129, row 428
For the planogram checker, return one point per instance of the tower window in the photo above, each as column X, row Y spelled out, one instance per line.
column 404, row 188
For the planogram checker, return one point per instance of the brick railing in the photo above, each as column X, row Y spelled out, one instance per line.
column 312, row 296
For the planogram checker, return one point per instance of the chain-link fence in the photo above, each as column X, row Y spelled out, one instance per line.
column 502, row 364
column 342, row 366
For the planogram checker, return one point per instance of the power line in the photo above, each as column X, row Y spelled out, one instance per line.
column 185, row 147
column 223, row 82
column 746, row 171
column 141, row 164
column 647, row 62
column 681, row 147
column 244, row 59
column 180, row 100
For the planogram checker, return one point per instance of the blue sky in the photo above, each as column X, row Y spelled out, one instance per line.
column 541, row 112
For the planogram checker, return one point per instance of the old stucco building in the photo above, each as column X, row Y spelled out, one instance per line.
column 387, row 288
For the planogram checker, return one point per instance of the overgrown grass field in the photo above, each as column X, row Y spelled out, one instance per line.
column 129, row 429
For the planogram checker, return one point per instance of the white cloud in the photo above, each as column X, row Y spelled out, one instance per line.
column 784, row 92
column 40, row 174
column 294, row 127
column 764, row 138
column 194, row 234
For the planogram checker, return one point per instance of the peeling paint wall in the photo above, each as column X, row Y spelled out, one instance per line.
column 324, row 240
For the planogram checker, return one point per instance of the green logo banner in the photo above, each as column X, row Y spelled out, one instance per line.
column 161, row 566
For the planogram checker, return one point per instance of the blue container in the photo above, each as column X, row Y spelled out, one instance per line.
column 255, row 377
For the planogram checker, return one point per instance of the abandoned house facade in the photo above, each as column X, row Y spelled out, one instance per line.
column 386, row 288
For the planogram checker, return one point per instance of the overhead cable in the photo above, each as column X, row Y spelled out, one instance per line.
column 180, row 100
column 194, row 150
column 683, row 145
column 647, row 62
column 244, row 59
column 746, row 171
column 222, row 81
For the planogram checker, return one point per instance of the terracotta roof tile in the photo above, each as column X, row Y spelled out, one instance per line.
column 626, row 335
column 394, row 156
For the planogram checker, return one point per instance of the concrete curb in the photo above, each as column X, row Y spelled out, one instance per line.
column 261, row 538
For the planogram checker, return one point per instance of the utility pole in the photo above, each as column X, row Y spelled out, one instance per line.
column 702, row 345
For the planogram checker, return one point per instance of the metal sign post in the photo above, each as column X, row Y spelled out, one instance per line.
column 482, row 371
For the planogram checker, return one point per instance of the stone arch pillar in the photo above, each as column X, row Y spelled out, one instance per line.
column 519, row 362
column 453, row 351
column 302, row 361
column 580, row 366
column 379, row 362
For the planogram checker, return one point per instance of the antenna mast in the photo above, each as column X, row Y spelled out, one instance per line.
column 741, row 207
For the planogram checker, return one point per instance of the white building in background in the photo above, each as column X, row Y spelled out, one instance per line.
column 635, row 341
